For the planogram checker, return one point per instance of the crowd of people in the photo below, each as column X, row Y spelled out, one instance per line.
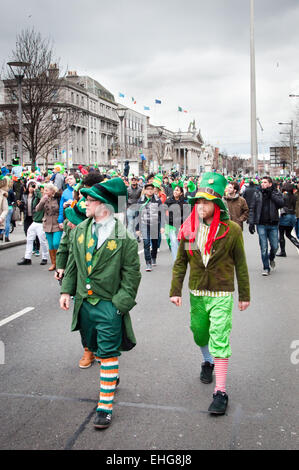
column 91, row 223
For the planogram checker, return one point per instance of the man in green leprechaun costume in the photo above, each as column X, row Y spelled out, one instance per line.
column 213, row 246
column 103, row 273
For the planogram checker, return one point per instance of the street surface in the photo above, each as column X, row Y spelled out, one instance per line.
column 47, row 402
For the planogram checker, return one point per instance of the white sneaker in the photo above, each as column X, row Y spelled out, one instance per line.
column 265, row 272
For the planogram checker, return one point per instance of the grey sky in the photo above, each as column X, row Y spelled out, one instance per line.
column 194, row 54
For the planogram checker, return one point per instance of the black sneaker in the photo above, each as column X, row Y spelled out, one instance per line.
column 102, row 420
column 219, row 403
column 206, row 375
column 24, row 261
column 43, row 262
column 154, row 262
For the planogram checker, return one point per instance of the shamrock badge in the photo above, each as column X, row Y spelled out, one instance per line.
column 111, row 245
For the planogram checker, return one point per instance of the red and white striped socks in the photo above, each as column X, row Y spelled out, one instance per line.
column 221, row 365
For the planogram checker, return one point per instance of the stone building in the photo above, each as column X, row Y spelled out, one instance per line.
column 181, row 151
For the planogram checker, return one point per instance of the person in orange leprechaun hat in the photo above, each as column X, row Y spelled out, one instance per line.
column 103, row 273
column 213, row 247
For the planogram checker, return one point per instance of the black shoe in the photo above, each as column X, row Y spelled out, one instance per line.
column 7, row 239
column 282, row 254
column 24, row 261
column 1, row 236
column 102, row 420
column 206, row 375
column 154, row 262
column 219, row 403
column 43, row 261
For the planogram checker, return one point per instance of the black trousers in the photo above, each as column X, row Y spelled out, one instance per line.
column 286, row 231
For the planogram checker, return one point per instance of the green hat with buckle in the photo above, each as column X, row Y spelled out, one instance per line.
column 109, row 193
column 77, row 213
column 212, row 188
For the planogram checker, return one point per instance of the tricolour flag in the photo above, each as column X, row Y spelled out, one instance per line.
column 133, row 99
column 158, row 101
column 121, row 95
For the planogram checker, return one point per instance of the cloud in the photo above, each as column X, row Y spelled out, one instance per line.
column 193, row 53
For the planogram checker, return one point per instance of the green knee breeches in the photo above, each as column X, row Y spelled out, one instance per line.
column 211, row 323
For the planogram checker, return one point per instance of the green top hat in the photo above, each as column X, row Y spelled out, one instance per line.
column 212, row 188
column 76, row 214
column 157, row 181
column 108, row 192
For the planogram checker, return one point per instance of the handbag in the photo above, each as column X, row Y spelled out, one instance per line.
column 16, row 214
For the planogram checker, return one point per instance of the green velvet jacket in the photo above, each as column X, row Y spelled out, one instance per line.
column 227, row 257
column 115, row 274
column 64, row 246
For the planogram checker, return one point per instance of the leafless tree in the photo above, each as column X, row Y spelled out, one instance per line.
column 46, row 117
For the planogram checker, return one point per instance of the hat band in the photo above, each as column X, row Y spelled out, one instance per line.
column 209, row 191
column 106, row 194
column 80, row 214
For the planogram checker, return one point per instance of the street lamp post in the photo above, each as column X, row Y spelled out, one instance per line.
column 17, row 68
column 254, row 149
column 121, row 112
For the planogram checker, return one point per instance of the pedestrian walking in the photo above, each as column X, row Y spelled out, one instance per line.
column 297, row 210
column 237, row 205
column 287, row 220
column 213, row 247
column 150, row 224
column 103, row 273
column 35, row 231
column 134, row 194
column 74, row 216
column 49, row 203
column 4, row 186
column 263, row 213
column 4, row 233
column 67, row 197
column 174, row 217
column 27, row 208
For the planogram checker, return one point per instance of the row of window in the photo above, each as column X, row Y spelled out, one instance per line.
column 82, row 101
column 135, row 125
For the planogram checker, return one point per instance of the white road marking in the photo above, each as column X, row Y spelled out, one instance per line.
column 16, row 315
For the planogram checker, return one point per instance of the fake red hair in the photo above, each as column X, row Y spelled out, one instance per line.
column 189, row 229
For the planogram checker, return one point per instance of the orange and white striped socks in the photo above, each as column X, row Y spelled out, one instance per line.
column 221, row 365
column 108, row 379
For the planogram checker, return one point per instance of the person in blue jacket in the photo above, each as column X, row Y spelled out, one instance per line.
column 67, row 196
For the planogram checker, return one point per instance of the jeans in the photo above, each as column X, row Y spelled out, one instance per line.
column 149, row 254
column 7, row 222
column 53, row 239
column 297, row 228
column 265, row 233
column 131, row 220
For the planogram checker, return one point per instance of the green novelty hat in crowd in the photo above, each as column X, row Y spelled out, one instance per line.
column 212, row 188
column 77, row 213
column 108, row 192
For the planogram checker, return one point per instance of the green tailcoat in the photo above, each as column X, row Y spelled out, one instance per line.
column 227, row 258
column 115, row 274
